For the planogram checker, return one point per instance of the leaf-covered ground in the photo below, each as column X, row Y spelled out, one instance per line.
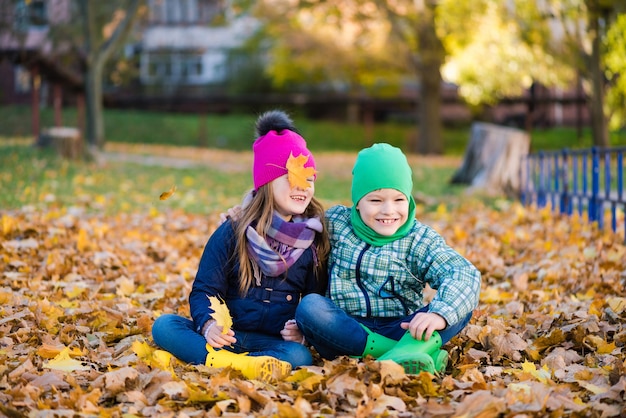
column 79, row 291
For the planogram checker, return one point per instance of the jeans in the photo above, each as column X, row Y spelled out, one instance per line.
column 178, row 336
column 335, row 333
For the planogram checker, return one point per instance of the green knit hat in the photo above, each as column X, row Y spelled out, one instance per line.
column 381, row 166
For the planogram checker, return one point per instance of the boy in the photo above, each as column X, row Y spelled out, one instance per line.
column 381, row 259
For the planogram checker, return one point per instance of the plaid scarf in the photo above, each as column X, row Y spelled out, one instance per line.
column 284, row 244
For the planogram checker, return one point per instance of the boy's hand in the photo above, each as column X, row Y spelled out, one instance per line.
column 424, row 324
column 233, row 213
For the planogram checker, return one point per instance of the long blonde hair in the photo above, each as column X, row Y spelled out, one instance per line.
column 261, row 210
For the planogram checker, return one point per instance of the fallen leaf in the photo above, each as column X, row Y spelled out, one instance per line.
column 166, row 195
column 65, row 363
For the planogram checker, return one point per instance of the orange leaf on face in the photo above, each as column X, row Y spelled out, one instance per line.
column 297, row 173
column 166, row 195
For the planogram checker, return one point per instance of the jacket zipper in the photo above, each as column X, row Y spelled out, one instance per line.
column 368, row 305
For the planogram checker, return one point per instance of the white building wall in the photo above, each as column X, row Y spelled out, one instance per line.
column 169, row 52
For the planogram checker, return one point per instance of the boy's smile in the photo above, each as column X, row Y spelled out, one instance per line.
column 384, row 210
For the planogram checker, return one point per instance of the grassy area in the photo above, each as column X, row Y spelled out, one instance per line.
column 235, row 131
column 29, row 176
column 39, row 178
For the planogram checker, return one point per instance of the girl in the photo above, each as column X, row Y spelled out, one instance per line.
column 260, row 265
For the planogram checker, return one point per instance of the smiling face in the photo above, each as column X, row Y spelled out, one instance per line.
column 289, row 200
column 384, row 210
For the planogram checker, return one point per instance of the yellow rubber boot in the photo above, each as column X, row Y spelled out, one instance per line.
column 265, row 368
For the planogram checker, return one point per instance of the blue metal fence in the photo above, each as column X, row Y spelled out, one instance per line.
column 589, row 181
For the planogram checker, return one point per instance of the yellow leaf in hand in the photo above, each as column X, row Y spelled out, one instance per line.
column 297, row 173
column 220, row 314
column 168, row 194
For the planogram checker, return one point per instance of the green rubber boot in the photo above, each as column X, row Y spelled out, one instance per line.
column 418, row 355
column 376, row 344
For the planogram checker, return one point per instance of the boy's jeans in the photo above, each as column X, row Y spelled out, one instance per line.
column 335, row 333
column 177, row 335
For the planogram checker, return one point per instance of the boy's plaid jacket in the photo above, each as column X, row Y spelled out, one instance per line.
column 389, row 281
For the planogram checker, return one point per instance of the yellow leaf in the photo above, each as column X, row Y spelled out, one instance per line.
column 162, row 359
column 125, row 286
column 153, row 357
column 8, row 223
column 618, row 305
column 590, row 253
column 533, row 354
column 602, row 346
column 494, row 295
column 297, row 173
column 82, row 241
column 74, row 291
column 142, row 349
column 542, row 374
column 220, row 314
column 65, row 363
column 166, row 195
column 47, row 350
column 306, row 379
column 595, row 389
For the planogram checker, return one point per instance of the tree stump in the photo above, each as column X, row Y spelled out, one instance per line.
column 493, row 159
column 67, row 141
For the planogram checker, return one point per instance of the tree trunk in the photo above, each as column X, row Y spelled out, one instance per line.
column 431, row 55
column 93, row 108
column 493, row 159
column 599, row 126
column 430, row 140
column 97, row 55
column 35, row 105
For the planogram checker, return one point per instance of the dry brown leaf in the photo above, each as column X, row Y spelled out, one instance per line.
column 167, row 194
column 98, row 296
column 480, row 404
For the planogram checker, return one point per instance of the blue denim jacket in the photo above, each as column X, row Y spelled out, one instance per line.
column 264, row 308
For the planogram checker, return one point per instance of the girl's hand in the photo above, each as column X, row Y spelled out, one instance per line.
column 424, row 324
column 291, row 332
column 213, row 335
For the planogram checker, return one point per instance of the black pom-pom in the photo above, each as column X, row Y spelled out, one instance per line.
column 273, row 120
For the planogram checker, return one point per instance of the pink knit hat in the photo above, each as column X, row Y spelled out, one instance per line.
column 271, row 152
